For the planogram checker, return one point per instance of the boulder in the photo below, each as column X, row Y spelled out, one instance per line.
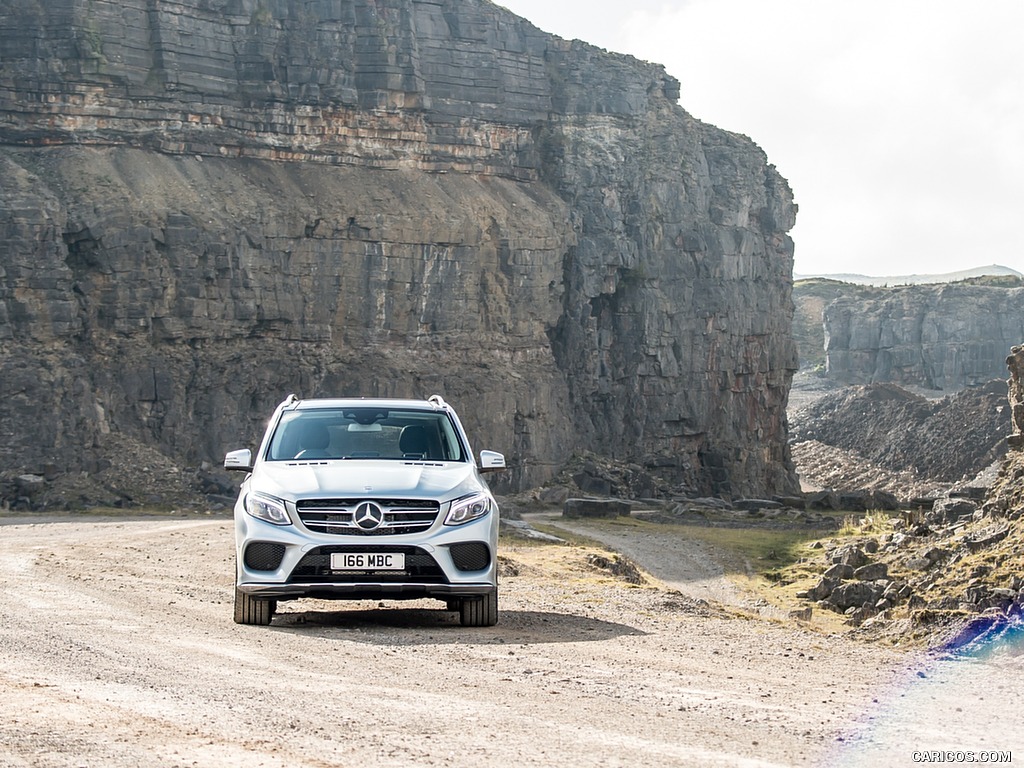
column 839, row 572
column 855, row 594
column 872, row 572
column 823, row 500
column 850, row 555
column 553, row 496
column 754, row 505
column 595, row 508
column 819, row 591
column 948, row 510
column 856, row 501
column 29, row 485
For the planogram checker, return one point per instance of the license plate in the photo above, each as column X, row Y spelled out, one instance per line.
column 367, row 561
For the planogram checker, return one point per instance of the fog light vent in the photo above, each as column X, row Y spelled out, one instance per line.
column 264, row 556
column 474, row 556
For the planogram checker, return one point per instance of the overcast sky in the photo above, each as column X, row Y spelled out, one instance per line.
column 898, row 123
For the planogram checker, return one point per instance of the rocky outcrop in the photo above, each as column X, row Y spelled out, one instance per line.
column 940, row 574
column 1015, row 384
column 1007, row 495
column 208, row 204
column 941, row 337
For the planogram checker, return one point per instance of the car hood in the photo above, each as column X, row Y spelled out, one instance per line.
column 346, row 478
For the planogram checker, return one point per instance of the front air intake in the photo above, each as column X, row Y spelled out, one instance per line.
column 472, row 556
column 264, row 556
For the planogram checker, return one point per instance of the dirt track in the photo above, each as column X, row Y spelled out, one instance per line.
column 117, row 648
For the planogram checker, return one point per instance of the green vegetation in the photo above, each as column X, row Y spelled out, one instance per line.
column 873, row 522
column 995, row 281
column 767, row 552
column 571, row 538
column 262, row 16
column 747, row 551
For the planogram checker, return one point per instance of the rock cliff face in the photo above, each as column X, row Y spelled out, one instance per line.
column 1015, row 364
column 939, row 337
column 208, row 204
column 1007, row 496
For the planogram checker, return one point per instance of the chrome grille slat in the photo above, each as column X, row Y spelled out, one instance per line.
column 336, row 516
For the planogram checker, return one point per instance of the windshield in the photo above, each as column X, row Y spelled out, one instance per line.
column 365, row 433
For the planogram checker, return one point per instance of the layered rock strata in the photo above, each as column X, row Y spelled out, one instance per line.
column 941, row 337
column 208, row 204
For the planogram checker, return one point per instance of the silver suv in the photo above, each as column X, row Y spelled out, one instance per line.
column 365, row 499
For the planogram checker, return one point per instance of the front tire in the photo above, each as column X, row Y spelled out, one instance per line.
column 479, row 611
column 252, row 610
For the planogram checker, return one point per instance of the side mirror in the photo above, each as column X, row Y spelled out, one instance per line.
column 239, row 460
column 491, row 461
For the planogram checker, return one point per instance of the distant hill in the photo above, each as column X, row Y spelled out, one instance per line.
column 993, row 270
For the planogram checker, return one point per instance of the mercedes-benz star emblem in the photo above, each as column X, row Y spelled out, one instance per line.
column 368, row 516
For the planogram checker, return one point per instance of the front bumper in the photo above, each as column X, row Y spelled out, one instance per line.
column 436, row 559
column 366, row 591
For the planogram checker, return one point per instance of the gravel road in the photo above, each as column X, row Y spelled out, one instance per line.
column 117, row 648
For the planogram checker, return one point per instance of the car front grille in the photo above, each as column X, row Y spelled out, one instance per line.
column 338, row 516
column 315, row 567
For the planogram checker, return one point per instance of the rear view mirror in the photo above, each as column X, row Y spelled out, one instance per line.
column 491, row 461
column 357, row 427
column 239, row 460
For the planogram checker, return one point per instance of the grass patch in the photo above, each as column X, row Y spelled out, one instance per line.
column 743, row 550
column 873, row 523
column 767, row 552
column 571, row 538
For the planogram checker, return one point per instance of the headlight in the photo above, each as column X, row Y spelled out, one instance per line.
column 267, row 508
column 467, row 509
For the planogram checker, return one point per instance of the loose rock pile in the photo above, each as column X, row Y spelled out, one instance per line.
column 881, row 437
column 856, row 586
column 594, row 486
column 952, row 563
column 126, row 473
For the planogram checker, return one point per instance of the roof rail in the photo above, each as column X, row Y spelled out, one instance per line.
column 437, row 401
